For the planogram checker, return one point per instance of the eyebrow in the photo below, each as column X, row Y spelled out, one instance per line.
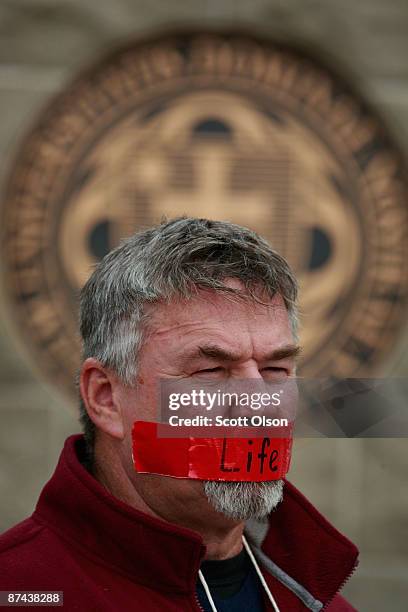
column 217, row 353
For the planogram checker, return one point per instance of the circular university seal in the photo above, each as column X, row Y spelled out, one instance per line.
column 219, row 125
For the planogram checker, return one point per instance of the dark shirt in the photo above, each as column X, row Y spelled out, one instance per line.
column 234, row 585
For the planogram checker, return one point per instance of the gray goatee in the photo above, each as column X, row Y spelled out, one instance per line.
column 244, row 500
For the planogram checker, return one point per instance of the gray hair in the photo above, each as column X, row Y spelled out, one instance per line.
column 172, row 259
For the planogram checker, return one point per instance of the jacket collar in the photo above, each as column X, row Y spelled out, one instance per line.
column 300, row 548
column 81, row 511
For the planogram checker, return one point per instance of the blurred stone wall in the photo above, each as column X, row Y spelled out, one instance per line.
column 358, row 484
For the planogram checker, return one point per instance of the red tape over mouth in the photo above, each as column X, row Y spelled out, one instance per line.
column 232, row 459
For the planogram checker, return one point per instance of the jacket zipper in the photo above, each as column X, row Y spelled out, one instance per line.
column 200, row 607
column 347, row 578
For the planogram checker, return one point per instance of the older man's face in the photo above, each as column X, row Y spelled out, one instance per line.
column 209, row 336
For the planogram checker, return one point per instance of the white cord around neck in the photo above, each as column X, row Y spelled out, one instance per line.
column 207, row 591
column 258, row 571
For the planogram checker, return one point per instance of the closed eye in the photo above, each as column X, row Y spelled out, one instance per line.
column 274, row 372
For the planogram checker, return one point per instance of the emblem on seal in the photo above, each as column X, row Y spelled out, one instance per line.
column 219, row 125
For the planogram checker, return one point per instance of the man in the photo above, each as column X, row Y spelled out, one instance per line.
column 190, row 298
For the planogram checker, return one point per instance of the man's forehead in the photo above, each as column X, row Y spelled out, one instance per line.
column 211, row 309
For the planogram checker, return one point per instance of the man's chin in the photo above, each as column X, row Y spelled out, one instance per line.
column 244, row 500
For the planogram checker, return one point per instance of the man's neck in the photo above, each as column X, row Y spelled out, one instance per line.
column 223, row 546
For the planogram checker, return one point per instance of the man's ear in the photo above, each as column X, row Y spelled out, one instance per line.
column 98, row 385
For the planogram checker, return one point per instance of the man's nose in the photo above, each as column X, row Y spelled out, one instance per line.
column 249, row 369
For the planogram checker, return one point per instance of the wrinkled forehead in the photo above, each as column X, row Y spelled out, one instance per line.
column 212, row 309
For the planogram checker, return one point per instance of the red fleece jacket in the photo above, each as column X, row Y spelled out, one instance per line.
column 106, row 556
